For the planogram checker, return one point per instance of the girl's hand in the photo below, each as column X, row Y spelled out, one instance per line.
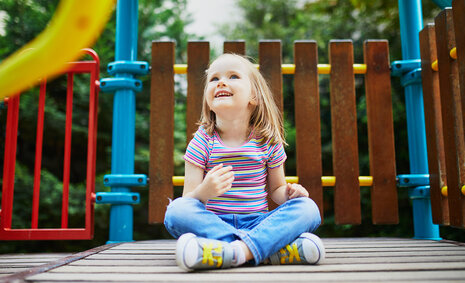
column 296, row 191
column 217, row 181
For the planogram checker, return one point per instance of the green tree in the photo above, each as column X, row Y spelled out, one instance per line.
column 24, row 20
column 358, row 20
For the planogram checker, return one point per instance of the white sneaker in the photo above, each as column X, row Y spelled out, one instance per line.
column 194, row 252
column 306, row 249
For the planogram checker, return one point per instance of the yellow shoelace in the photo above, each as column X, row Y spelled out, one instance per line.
column 293, row 253
column 209, row 258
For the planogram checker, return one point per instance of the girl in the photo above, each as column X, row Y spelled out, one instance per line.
column 234, row 160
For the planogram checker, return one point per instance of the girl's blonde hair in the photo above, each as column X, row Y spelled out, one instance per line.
column 266, row 120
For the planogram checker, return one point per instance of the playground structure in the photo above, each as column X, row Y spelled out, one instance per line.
column 124, row 86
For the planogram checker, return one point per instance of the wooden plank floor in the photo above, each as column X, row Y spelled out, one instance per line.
column 14, row 263
column 347, row 259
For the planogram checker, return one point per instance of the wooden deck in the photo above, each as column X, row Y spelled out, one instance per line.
column 347, row 259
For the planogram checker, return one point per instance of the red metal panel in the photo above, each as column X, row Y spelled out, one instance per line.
column 64, row 233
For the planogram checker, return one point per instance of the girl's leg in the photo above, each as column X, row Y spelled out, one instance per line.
column 269, row 233
column 188, row 215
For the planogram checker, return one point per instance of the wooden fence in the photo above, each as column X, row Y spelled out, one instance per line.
column 442, row 48
column 307, row 121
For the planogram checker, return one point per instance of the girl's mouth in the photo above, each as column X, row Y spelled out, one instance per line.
column 223, row 94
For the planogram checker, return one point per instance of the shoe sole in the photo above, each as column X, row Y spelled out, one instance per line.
column 180, row 247
column 318, row 244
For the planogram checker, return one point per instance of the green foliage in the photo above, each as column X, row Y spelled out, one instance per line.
column 23, row 21
column 358, row 20
column 287, row 20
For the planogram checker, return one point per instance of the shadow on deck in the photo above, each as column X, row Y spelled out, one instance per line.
column 347, row 259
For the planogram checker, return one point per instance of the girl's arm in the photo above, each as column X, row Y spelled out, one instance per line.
column 279, row 190
column 216, row 182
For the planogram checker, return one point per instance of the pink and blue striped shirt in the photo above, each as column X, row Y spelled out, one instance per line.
column 250, row 163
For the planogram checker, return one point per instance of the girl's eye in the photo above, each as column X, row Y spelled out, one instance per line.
column 213, row 79
column 234, row 77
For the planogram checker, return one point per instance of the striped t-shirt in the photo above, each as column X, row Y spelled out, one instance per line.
column 250, row 162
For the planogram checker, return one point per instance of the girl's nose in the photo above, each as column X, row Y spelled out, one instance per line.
column 221, row 83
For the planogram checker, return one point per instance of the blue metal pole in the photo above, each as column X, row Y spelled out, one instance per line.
column 411, row 22
column 124, row 107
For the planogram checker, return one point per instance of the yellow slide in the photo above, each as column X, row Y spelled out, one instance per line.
column 75, row 25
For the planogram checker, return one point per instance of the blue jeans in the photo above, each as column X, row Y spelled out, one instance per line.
column 263, row 233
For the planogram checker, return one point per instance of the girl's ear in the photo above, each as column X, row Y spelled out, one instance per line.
column 253, row 100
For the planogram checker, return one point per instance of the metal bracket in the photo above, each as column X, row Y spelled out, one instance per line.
column 130, row 67
column 117, row 198
column 398, row 68
column 408, row 70
column 125, row 180
column 413, row 180
column 422, row 192
column 114, row 84
column 412, row 77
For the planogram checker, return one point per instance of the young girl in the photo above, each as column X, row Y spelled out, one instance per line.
column 234, row 160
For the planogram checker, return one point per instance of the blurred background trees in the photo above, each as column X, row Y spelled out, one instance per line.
column 287, row 20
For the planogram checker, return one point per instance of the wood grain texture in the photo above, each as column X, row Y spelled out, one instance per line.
column 433, row 126
column 198, row 56
column 307, row 120
column 458, row 9
column 161, row 164
column 270, row 67
column 347, row 259
column 451, row 110
column 380, row 133
column 236, row 47
column 344, row 133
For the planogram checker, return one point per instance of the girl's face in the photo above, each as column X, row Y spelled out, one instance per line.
column 229, row 90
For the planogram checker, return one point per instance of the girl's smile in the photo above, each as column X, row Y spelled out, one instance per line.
column 223, row 93
column 228, row 91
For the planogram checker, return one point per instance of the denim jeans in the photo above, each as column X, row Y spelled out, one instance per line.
column 263, row 233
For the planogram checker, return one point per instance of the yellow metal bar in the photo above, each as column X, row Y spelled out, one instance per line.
column 327, row 181
column 287, row 69
column 452, row 54
column 444, row 191
column 180, row 68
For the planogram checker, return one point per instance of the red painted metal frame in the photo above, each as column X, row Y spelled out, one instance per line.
column 63, row 233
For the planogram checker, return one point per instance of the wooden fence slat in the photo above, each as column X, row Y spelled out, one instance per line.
column 236, row 47
column 459, row 24
column 270, row 68
column 458, row 10
column 198, row 56
column 344, row 133
column 380, row 133
column 161, row 166
column 433, row 126
column 307, row 120
column 451, row 116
